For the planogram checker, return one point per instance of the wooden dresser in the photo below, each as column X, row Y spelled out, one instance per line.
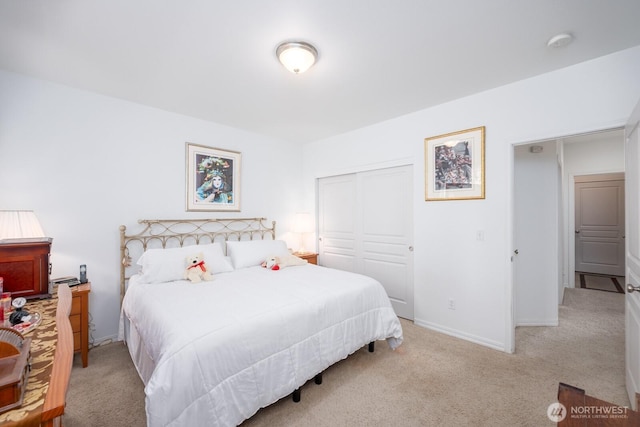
column 52, row 358
column 79, row 318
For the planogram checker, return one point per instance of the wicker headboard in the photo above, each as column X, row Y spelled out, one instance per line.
column 166, row 233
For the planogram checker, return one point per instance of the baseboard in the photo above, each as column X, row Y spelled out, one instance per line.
column 537, row 322
column 105, row 340
column 496, row 345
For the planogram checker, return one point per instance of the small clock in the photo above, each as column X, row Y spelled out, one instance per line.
column 18, row 303
column 16, row 316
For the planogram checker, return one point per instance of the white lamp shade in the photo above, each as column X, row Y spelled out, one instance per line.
column 20, row 225
column 297, row 57
column 303, row 223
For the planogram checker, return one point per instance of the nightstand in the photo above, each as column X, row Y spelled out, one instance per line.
column 79, row 318
column 25, row 268
column 311, row 257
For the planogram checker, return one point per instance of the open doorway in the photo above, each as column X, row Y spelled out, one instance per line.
column 594, row 209
column 544, row 221
column 589, row 159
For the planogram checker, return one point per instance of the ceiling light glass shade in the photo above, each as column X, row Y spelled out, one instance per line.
column 297, row 57
column 20, row 226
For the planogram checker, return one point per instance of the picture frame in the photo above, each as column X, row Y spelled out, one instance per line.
column 454, row 165
column 213, row 179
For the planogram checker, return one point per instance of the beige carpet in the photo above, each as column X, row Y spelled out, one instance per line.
column 432, row 380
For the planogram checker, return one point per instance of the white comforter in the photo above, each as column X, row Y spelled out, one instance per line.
column 222, row 350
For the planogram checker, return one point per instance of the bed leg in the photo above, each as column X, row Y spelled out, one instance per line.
column 296, row 395
column 318, row 378
column 371, row 346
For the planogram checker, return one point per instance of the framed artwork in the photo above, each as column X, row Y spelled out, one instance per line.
column 213, row 179
column 454, row 165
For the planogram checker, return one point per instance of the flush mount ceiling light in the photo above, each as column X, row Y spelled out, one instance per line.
column 297, row 57
column 560, row 40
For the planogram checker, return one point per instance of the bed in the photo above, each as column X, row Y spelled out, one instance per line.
column 213, row 353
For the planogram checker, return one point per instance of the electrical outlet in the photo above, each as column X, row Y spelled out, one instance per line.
column 452, row 304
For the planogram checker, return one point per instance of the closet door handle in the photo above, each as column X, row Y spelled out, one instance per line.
column 631, row 288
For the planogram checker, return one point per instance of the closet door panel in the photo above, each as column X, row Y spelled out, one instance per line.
column 337, row 222
column 386, row 233
column 366, row 226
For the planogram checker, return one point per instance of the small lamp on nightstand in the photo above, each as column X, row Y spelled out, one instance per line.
column 20, row 226
column 302, row 224
column 24, row 255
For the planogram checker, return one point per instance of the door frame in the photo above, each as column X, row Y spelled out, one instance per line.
column 632, row 305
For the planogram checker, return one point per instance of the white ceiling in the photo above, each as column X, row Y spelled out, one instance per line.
column 379, row 59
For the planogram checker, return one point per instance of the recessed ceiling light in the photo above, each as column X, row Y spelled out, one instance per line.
column 560, row 40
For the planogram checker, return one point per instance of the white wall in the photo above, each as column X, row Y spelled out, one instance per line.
column 601, row 153
column 87, row 163
column 449, row 261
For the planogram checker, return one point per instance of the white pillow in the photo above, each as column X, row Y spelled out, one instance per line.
column 167, row 265
column 247, row 253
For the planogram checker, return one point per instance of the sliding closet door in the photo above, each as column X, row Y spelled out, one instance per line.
column 337, row 220
column 365, row 226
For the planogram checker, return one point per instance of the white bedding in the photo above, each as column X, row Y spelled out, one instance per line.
column 219, row 351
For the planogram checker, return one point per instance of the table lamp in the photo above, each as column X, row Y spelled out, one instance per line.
column 20, row 226
column 302, row 224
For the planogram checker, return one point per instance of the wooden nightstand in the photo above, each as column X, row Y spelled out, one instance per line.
column 309, row 256
column 25, row 268
column 79, row 318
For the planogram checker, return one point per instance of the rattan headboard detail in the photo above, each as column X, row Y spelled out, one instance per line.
column 165, row 233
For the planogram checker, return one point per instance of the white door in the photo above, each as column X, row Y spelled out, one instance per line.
column 599, row 222
column 337, row 220
column 365, row 226
column 537, row 184
column 386, row 232
column 632, row 305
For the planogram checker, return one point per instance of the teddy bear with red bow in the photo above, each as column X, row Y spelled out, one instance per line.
column 196, row 270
